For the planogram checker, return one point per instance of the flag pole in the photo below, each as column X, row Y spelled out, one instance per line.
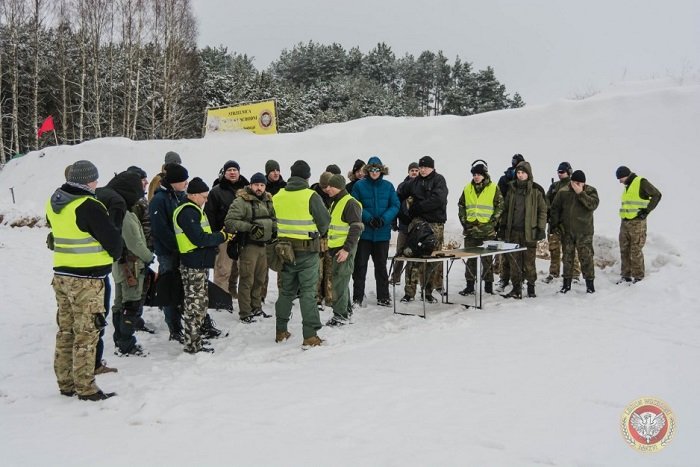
column 55, row 137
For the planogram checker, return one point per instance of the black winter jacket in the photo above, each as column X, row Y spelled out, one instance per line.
column 205, row 254
column 429, row 197
column 220, row 199
column 160, row 210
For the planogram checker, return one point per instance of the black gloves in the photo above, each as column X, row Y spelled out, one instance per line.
column 376, row 222
column 540, row 234
column 257, row 232
column 642, row 213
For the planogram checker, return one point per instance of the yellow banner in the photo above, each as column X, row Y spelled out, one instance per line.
column 258, row 117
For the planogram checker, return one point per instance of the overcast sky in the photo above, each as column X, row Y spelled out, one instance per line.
column 543, row 49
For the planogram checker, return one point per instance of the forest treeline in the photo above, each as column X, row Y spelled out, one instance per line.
column 132, row 68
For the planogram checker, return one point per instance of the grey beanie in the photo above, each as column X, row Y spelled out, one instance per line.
column 82, row 173
column 171, row 157
column 337, row 181
column 271, row 165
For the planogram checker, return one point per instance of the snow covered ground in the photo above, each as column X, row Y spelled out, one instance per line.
column 531, row 382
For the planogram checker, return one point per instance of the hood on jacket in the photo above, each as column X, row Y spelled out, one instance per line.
column 375, row 161
column 128, row 186
column 61, row 198
column 524, row 165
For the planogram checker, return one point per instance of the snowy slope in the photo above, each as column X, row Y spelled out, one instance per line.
column 541, row 381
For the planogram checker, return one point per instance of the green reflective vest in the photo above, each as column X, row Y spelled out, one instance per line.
column 479, row 206
column 294, row 220
column 73, row 247
column 631, row 202
column 184, row 245
column 338, row 230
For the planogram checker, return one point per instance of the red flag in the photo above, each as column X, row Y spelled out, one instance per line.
column 46, row 126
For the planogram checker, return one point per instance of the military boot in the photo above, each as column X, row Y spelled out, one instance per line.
column 531, row 290
column 209, row 330
column 313, row 341
column 516, row 292
column 282, row 336
column 590, row 288
column 488, row 287
column 469, row 289
column 566, row 286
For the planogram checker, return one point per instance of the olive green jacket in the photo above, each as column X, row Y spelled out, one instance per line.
column 239, row 217
column 572, row 214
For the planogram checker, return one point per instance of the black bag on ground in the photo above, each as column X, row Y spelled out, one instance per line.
column 149, row 287
column 219, row 299
column 169, row 289
column 421, row 240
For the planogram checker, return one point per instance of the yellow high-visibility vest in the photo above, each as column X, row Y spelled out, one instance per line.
column 479, row 206
column 631, row 202
column 184, row 245
column 73, row 247
column 339, row 229
column 294, row 219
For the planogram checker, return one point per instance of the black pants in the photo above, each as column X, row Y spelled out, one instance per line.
column 379, row 251
column 100, row 348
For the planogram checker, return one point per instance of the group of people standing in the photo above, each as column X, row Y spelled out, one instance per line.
column 319, row 237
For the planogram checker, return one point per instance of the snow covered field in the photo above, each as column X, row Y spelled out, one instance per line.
column 534, row 382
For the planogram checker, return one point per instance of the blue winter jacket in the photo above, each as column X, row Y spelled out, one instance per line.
column 378, row 198
column 161, row 209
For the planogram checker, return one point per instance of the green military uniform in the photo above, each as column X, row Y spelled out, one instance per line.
column 554, row 240
column 245, row 211
column 571, row 217
column 302, row 219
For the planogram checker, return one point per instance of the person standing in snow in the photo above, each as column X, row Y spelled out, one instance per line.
column 380, row 206
column 343, row 235
column 428, row 193
column 302, row 219
column 252, row 217
column 197, row 245
column 639, row 198
column 355, row 174
column 274, row 182
column 400, row 225
column 524, row 222
column 553, row 239
column 502, row 266
column 479, row 208
column 86, row 244
column 572, row 220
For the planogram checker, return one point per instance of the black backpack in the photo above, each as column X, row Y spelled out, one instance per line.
column 420, row 241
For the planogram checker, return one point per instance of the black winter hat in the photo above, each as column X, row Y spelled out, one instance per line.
column 578, row 176
column 517, row 159
column 334, row 169
column 359, row 163
column 230, row 164
column 426, row 161
column 271, row 165
column 258, row 178
column 128, row 185
column 82, row 173
column 301, row 169
column 197, row 185
column 137, row 170
column 564, row 167
column 622, row 172
column 479, row 169
column 175, row 173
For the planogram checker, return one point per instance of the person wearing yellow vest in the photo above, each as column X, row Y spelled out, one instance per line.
column 480, row 208
column 85, row 245
column 197, row 246
column 343, row 236
column 302, row 219
column 639, row 198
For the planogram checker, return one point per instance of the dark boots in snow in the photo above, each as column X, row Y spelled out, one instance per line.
column 469, row 289
column 590, row 288
column 531, row 290
column 567, row 285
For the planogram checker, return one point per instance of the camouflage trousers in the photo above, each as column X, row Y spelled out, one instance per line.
column 253, row 273
column 194, row 283
column 522, row 263
column 226, row 272
column 581, row 248
column 555, row 253
column 324, row 290
column 433, row 271
column 398, row 265
column 633, row 236
column 486, row 262
column 80, row 317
